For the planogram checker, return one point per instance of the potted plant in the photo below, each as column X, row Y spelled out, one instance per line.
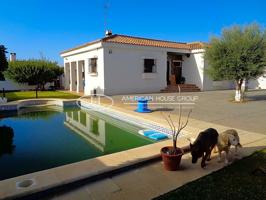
column 171, row 155
column 183, row 80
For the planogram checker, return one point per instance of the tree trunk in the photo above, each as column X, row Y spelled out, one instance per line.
column 43, row 87
column 239, row 96
column 243, row 89
column 174, row 143
column 36, row 92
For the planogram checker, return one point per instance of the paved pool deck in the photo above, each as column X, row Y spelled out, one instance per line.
column 212, row 106
column 151, row 180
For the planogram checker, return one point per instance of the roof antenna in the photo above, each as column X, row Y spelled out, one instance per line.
column 106, row 7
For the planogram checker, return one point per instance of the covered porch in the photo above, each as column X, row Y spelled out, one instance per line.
column 75, row 76
column 176, row 74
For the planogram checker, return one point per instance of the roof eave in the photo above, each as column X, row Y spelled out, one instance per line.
column 80, row 47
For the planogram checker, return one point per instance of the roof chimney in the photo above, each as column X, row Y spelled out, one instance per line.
column 12, row 57
column 108, row 33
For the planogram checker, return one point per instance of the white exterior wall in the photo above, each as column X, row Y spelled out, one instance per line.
column 120, row 68
column 209, row 84
column 92, row 81
column 11, row 85
column 124, row 66
column 193, row 69
column 259, row 83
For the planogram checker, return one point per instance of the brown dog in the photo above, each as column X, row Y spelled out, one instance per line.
column 225, row 140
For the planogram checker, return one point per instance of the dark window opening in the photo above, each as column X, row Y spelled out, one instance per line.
column 149, row 66
column 93, row 65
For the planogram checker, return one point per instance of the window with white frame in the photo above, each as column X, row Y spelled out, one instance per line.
column 93, row 65
column 149, row 65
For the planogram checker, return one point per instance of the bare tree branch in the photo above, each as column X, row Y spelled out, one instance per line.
column 181, row 125
column 172, row 125
column 179, row 116
column 187, row 120
column 166, row 118
column 180, row 109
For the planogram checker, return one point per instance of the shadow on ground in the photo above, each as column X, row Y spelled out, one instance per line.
column 256, row 97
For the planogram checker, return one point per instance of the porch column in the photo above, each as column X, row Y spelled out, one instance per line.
column 67, row 76
column 73, row 76
column 79, row 76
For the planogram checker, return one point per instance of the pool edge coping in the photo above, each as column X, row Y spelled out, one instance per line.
column 16, row 105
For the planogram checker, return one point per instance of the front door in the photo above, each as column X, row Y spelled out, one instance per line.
column 168, row 73
column 176, row 72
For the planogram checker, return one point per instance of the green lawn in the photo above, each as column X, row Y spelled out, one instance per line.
column 13, row 96
column 237, row 181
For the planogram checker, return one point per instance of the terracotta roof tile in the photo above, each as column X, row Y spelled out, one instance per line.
column 197, row 45
column 124, row 39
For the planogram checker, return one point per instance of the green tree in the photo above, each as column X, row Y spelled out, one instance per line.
column 239, row 55
column 33, row 72
column 3, row 61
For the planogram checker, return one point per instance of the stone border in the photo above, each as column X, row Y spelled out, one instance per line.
column 15, row 106
column 67, row 174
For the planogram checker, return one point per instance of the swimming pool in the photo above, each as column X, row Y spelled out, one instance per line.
column 39, row 138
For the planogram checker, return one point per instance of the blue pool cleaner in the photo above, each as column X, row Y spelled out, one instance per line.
column 154, row 135
column 143, row 106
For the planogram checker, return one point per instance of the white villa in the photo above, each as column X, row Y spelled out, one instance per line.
column 120, row 64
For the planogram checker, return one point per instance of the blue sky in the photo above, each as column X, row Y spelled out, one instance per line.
column 34, row 27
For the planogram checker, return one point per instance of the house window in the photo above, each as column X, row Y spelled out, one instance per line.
column 93, row 65
column 94, row 126
column 149, row 65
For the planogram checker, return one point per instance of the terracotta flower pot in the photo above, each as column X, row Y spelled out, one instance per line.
column 171, row 162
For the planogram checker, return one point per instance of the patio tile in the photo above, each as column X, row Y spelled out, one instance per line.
column 77, row 194
column 133, row 186
column 103, row 189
